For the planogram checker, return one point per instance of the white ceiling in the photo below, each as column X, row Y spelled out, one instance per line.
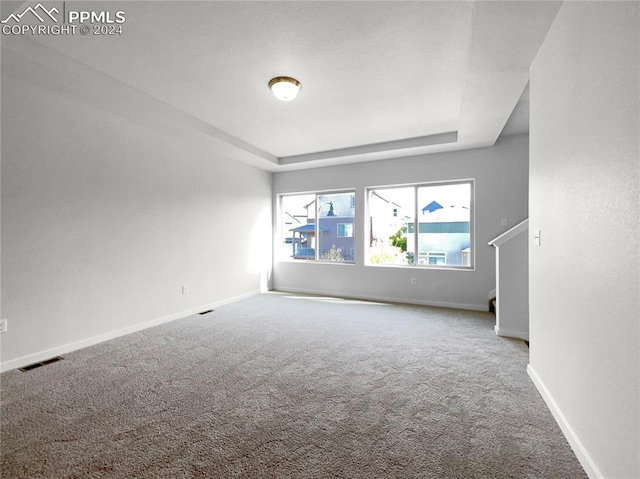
column 379, row 79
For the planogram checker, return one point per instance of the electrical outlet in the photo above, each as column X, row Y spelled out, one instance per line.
column 413, row 281
column 3, row 325
column 185, row 289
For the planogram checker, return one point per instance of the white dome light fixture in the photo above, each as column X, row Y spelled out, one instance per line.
column 284, row 88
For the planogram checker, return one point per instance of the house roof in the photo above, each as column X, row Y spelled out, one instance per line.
column 431, row 207
column 309, row 228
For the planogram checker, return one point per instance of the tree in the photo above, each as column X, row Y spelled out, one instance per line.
column 398, row 240
column 384, row 253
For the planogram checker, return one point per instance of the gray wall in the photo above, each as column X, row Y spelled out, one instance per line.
column 108, row 209
column 585, row 200
column 501, row 191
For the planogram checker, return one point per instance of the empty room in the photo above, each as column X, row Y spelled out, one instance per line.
column 320, row 239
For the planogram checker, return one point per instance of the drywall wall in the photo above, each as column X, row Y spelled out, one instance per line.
column 585, row 201
column 501, row 191
column 512, row 261
column 108, row 209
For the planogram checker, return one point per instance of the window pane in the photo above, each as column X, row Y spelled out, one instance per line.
column 444, row 225
column 391, row 212
column 298, row 227
column 335, row 215
column 345, row 230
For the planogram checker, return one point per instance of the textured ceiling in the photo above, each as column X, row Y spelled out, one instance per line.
column 379, row 79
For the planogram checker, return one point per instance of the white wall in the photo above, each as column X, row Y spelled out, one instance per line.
column 501, row 191
column 585, row 200
column 108, row 209
column 512, row 262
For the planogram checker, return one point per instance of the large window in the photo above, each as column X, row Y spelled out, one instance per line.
column 318, row 227
column 443, row 213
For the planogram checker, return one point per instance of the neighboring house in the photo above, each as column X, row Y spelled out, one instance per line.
column 386, row 217
column 444, row 235
column 303, row 240
column 444, row 232
column 332, row 236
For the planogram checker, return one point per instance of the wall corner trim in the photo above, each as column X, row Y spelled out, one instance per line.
column 578, row 448
column 510, row 333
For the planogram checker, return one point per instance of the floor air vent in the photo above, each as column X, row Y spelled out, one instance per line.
column 40, row 364
column 207, row 312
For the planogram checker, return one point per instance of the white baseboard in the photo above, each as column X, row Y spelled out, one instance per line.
column 581, row 453
column 388, row 299
column 67, row 348
column 506, row 333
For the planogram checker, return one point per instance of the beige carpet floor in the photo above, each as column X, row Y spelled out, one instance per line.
column 287, row 386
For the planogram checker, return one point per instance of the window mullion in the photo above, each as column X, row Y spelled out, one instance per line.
column 317, row 229
column 416, row 226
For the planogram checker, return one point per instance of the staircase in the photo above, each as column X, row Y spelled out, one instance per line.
column 493, row 305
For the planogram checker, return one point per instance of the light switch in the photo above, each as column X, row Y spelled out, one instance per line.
column 536, row 237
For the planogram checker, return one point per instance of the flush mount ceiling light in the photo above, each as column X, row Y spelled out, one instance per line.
column 284, row 88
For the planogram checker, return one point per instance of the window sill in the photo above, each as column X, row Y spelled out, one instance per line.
column 315, row 261
column 421, row 267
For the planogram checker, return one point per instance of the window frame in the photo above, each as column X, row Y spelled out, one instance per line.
column 317, row 256
column 416, row 228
